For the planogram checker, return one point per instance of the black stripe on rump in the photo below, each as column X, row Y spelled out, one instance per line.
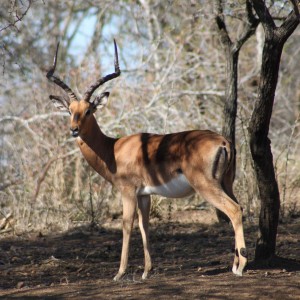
column 216, row 163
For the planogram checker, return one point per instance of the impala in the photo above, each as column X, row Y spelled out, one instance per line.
column 172, row 165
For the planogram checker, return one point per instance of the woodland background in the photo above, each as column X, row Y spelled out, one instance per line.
column 173, row 78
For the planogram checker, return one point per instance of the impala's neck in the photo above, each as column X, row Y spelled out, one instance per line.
column 98, row 150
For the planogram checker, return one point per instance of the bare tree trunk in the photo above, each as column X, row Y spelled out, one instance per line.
column 230, row 105
column 232, row 50
column 260, row 144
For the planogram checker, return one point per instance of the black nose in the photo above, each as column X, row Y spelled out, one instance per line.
column 74, row 131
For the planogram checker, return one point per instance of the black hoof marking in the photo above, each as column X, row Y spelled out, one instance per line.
column 236, row 252
column 244, row 252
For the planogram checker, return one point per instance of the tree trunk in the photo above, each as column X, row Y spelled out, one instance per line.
column 261, row 150
column 260, row 145
column 230, row 105
column 232, row 50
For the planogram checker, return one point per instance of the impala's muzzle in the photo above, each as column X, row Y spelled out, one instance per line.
column 74, row 132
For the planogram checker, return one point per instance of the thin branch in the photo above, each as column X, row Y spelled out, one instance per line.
column 18, row 18
column 33, row 119
column 251, row 25
column 289, row 24
column 219, row 17
column 286, row 28
column 5, row 185
column 199, row 93
column 45, row 170
column 295, row 4
column 264, row 15
column 26, row 122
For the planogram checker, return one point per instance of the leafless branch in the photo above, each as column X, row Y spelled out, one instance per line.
column 295, row 4
column 6, row 184
column 26, row 122
column 219, row 17
column 45, row 170
column 17, row 17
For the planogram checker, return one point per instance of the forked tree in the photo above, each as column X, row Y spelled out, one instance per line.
column 232, row 50
column 172, row 165
column 260, row 144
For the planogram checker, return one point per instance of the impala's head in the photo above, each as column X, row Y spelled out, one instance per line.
column 81, row 111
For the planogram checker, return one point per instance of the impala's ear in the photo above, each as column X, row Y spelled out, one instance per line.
column 100, row 100
column 60, row 103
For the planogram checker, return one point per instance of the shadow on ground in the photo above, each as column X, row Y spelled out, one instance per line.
column 190, row 260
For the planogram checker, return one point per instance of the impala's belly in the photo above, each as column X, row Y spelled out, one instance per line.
column 176, row 188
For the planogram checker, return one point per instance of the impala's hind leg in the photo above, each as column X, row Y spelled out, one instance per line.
column 212, row 191
column 227, row 187
column 144, row 203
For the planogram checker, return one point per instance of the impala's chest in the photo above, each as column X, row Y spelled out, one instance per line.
column 96, row 161
column 177, row 187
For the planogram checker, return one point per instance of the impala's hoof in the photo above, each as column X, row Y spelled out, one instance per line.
column 145, row 275
column 119, row 276
column 237, row 271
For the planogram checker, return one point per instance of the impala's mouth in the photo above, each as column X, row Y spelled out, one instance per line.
column 75, row 132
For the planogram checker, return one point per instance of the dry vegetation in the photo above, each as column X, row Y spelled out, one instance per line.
column 60, row 222
column 173, row 77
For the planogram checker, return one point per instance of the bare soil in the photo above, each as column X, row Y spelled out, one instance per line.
column 191, row 261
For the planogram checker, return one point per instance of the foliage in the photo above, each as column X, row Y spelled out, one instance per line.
column 173, row 78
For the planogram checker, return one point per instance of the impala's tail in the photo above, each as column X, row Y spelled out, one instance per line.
column 224, row 161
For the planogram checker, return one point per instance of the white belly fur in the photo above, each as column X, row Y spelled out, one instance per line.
column 176, row 188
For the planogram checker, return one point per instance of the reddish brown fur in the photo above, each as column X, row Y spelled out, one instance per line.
column 145, row 159
column 200, row 161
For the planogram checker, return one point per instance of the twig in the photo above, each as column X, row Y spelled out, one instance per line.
column 18, row 18
column 5, row 230
column 7, row 184
column 93, row 223
column 45, row 171
column 284, row 187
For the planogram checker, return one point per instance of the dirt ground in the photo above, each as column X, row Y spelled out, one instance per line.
column 191, row 261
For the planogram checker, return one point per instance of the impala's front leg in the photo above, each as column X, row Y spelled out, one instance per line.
column 144, row 203
column 129, row 206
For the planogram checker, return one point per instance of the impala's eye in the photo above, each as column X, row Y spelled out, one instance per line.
column 88, row 112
